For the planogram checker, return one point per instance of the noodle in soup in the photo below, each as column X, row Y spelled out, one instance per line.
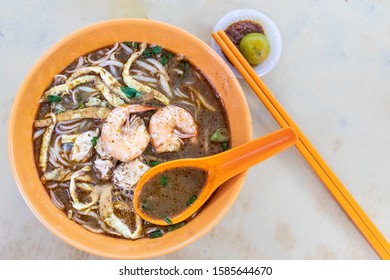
column 112, row 115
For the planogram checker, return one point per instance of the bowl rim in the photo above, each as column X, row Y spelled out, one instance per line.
column 18, row 172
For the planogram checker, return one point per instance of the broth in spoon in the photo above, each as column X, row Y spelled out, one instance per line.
column 173, row 191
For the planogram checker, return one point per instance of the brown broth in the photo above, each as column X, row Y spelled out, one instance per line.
column 169, row 193
column 182, row 75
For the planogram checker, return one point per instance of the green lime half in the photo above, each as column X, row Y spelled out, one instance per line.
column 255, row 48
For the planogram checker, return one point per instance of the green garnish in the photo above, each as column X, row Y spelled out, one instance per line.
column 156, row 234
column 191, row 200
column 220, row 135
column 145, row 206
column 164, row 60
column 185, row 66
column 130, row 92
column 169, row 222
column 58, row 111
column 81, row 106
column 164, row 180
column 94, row 140
column 54, row 98
column 149, row 52
column 225, row 146
column 175, row 227
column 153, row 163
column 157, row 49
column 131, row 44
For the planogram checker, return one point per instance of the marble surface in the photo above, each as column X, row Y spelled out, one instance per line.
column 333, row 80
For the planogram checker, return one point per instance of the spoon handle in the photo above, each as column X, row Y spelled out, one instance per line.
column 239, row 159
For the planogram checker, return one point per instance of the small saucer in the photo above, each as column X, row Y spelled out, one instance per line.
column 270, row 29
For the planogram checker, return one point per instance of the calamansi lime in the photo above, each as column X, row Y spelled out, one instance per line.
column 255, row 48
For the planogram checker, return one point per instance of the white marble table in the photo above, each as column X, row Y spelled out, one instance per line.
column 334, row 80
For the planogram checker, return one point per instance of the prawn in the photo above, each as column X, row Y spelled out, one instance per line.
column 169, row 125
column 122, row 137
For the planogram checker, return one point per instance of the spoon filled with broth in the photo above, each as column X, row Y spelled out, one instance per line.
column 171, row 192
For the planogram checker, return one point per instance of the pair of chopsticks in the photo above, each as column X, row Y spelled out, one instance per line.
column 334, row 185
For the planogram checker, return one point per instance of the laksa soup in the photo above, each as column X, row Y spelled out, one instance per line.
column 112, row 115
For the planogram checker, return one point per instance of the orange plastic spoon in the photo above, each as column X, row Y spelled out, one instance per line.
column 220, row 168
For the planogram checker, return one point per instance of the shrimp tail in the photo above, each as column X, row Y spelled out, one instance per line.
column 136, row 108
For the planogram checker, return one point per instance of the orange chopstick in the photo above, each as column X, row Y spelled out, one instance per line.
column 334, row 185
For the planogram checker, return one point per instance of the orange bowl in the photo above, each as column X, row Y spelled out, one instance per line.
column 56, row 59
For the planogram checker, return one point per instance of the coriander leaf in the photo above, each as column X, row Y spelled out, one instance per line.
column 175, row 227
column 131, row 44
column 156, row 234
column 153, row 163
column 185, row 66
column 130, row 92
column 157, row 49
column 225, row 146
column 163, row 60
column 166, row 56
column 191, row 200
column 145, row 206
column 94, row 140
column 220, row 135
column 147, row 53
column 54, row 98
column 164, row 180
column 168, row 220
